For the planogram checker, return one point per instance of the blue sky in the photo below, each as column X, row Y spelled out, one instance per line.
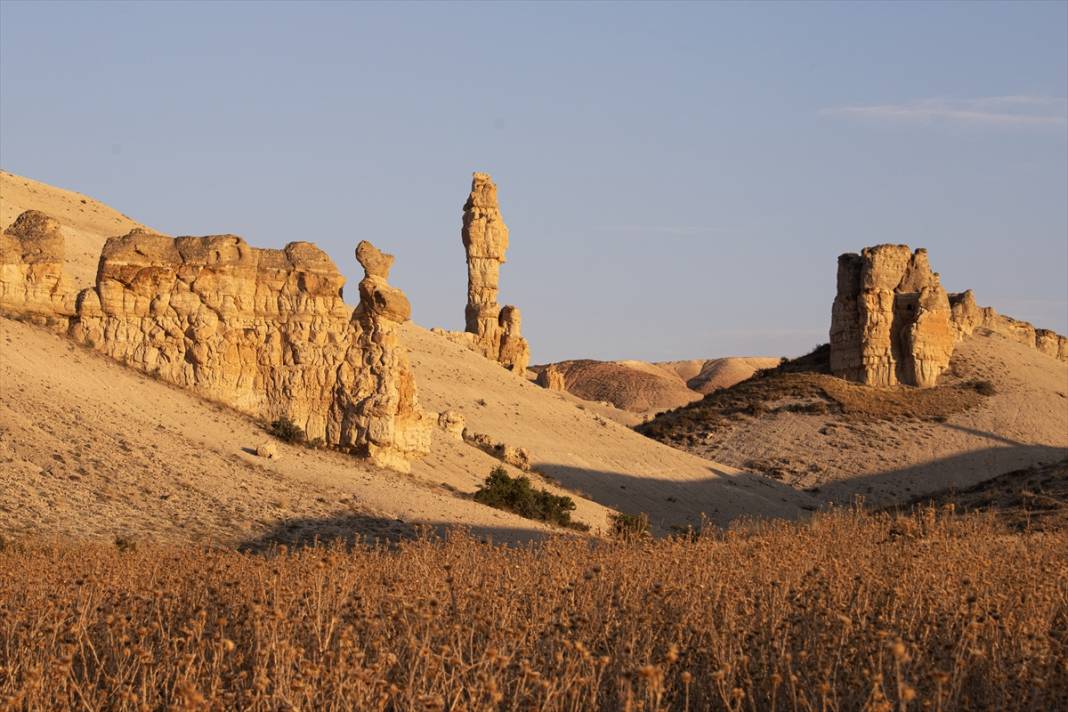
column 678, row 178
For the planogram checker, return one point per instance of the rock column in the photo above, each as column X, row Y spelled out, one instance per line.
column 485, row 236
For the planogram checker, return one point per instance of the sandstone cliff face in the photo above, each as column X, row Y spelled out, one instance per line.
column 32, row 282
column 264, row 331
column 891, row 318
column 892, row 322
column 968, row 316
column 495, row 331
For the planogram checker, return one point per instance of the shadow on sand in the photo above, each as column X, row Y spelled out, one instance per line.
column 350, row 529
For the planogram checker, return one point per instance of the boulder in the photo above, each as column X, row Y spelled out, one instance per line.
column 33, row 284
column 452, row 423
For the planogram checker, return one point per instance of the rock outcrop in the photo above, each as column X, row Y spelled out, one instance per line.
column 892, row 322
column 375, row 407
column 891, row 318
column 32, row 282
column 264, row 331
column 452, row 423
column 552, row 378
column 494, row 331
column 969, row 316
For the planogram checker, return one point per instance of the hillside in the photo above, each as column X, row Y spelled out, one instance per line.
column 1000, row 407
column 87, row 223
column 1031, row 499
column 83, row 456
column 646, row 388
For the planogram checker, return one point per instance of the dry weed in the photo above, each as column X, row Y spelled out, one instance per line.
column 849, row 612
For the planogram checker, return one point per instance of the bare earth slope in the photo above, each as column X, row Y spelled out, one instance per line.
column 647, row 388
column 920, row 442
column 87, row 223
column 1034, row 498
column 89, row 448
column 584, row 451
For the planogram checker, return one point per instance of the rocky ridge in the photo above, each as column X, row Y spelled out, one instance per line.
column 892, row 321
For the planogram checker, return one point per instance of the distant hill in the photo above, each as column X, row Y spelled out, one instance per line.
column 647, row 388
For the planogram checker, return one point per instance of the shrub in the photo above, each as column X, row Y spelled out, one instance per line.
column 515, row 494
column 629, row 527
column 286, row 430
column 984, row 388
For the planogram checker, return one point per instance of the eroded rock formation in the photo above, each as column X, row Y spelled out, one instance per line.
column 892, row 322
column 264, row 331
column 494, row 331
column 969, row 316
column 891, row 318
column 32, row 282
column 374, row 406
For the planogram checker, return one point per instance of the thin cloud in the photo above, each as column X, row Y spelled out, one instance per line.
column 1017, row 110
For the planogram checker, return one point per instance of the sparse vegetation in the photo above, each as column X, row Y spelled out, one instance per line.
column 630, row 527
column 849, row 612
column 984, row 388
column 516, row 494
column 287, row 431
column 792, row 389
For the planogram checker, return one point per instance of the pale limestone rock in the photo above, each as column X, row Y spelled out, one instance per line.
column 375, row 406
column 496, row 331
column 264, row 331
column 452, row 423
column 33, row 284
column 890, row 322
column 267, row 449
column 515, row 456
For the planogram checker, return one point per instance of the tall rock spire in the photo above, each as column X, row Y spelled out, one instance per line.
column 485, row 237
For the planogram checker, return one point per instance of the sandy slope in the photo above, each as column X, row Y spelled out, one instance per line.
column 886, row 461
column 88, row 448
column 87, row 223
column 583, row 450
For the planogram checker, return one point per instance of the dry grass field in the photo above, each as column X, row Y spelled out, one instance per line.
column 851, row 611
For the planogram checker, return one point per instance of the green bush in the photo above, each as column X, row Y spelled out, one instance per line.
column 630, row 526
column 515, row 494
column 286, row 430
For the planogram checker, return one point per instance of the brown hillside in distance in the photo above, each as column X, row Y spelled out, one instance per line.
column 647, row 388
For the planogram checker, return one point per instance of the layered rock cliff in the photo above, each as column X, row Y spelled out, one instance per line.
column 892, row 322
column 264, row 331
column 32, row 282
column 494, row 331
